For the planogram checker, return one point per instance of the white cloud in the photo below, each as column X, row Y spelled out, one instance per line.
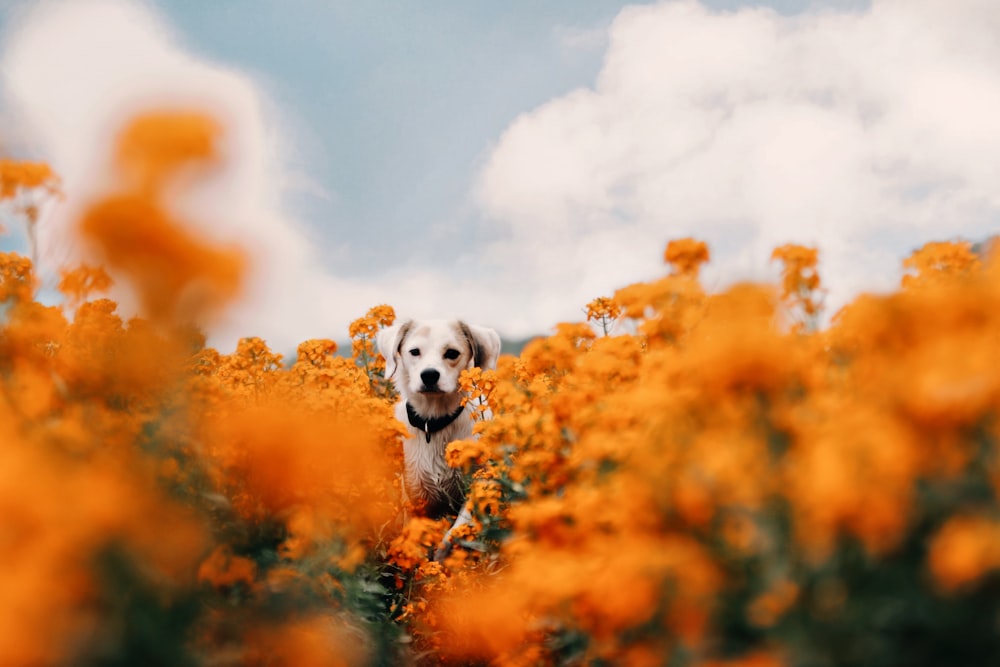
column 866, row 133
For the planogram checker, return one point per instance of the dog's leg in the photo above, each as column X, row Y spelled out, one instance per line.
column 405, row 501
column 446, row 545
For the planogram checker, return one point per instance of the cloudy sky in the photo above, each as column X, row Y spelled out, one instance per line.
column 508, row 162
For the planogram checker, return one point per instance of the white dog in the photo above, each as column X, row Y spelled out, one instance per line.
column 423, row 359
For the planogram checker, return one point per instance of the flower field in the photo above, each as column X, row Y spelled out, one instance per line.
column 683, row 478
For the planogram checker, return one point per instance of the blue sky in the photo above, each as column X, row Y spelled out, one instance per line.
column 508, row 162
column 394, row 103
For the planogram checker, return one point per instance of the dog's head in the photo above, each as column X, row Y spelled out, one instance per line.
column 425, row 357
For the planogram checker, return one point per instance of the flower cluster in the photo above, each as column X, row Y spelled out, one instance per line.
column 800, row 283
column 23, row 187
column 680, row 479
column 603, row 311
column 163, row 499
column 718, row 489
column 363, row 332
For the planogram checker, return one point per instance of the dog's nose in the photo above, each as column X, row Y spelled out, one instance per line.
column 430, row 377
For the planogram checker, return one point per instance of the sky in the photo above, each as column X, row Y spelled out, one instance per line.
column 508, row 162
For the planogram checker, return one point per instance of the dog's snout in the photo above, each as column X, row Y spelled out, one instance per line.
column 430, row 377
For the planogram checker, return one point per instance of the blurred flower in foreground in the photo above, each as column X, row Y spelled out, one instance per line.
column 179, row 276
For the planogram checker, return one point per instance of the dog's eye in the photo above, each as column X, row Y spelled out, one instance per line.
column 415, row 352
column 452, row 354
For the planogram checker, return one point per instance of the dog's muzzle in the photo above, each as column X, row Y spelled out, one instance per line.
column 430, row 377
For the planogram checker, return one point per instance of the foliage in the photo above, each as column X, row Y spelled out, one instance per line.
column 684, row 479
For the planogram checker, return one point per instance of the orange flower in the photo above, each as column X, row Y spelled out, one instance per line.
column 466, row 454
column 320, row 640
column 156, row 146
column 178, row 276
column 78, row 284
column 17, row 176
column 363, row 332
column 284, row 454
column 686, row 257
column 603, row 311
column 17, row 281
column 800, row 283
column 223, row 569
column 768, row 608
column 938, row 263
column 963, row 550
column 416, row 542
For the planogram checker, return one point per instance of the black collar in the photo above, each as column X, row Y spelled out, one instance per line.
column 432, row 425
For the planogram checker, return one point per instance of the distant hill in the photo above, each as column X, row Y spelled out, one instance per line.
column 986, row 246
column 515, row 346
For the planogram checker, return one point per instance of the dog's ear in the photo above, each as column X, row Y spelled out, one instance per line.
column 485, row 344
column 388, row 342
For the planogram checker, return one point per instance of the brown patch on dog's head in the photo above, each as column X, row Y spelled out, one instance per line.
column 484, row 344
column 474, row 350
column 389, row 343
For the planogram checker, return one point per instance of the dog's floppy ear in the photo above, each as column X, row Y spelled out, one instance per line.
column 485, row 344
column 388, row 342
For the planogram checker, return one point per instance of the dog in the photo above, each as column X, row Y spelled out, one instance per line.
column 423, row 359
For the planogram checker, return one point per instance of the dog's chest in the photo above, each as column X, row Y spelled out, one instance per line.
column 429, row 479
column 424, row 457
